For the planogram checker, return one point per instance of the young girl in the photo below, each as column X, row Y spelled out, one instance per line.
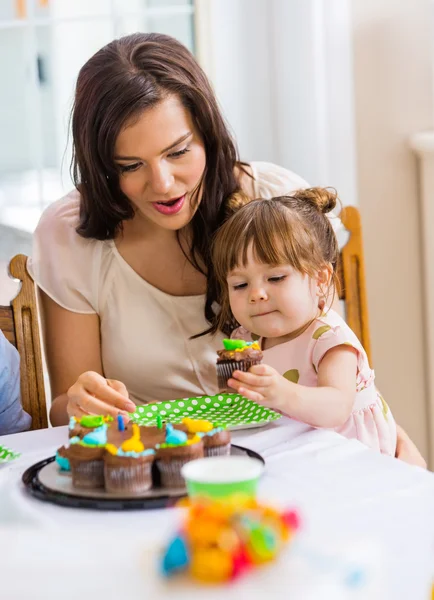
column 274, row 263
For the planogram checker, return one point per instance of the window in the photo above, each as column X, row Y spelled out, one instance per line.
column 43, row 44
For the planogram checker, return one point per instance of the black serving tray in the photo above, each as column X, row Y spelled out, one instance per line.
column 157, row 497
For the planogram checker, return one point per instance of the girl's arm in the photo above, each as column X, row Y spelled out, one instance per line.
column 331, row 402
column 328, row 405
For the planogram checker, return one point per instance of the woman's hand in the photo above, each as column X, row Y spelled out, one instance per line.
column 93, row 394
column 407, row 451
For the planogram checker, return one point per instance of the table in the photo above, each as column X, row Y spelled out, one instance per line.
column 346, row 494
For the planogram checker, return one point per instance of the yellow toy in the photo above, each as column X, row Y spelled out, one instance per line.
column 197, row 426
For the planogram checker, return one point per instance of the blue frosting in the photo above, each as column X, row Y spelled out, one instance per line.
column 175, row 436
column 212, row 432
column 97, row 437
column 63, row 462
column 72, row 423
column 146, row 452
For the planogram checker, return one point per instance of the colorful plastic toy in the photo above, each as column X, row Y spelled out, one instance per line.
column 221, row 541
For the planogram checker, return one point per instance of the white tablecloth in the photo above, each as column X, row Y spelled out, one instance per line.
column 345, row 493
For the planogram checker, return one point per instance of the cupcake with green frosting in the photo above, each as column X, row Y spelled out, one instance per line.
column 86, row 424
column 86, row 458
column 236, row 355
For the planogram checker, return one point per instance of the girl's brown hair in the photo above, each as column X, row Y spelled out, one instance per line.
column 118, row 83
column 290, row 230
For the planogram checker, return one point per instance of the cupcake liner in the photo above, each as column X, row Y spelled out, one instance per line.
column 87, row 474
column 170, row 471
column 224, row 450
column 128, row 478
column 226, row 368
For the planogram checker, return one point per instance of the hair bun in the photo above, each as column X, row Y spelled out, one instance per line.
column 235, row 201
column 324, row 199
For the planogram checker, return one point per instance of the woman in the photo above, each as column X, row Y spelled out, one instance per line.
column 122, row 261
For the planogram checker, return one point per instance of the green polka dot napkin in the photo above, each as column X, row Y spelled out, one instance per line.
column 6, row 454
column 231, row 410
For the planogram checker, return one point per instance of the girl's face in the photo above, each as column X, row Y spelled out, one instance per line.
column 271, row 301
column 161, row 158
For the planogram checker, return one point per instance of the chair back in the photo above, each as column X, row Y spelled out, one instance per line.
column 352, row 279
column 19, row 323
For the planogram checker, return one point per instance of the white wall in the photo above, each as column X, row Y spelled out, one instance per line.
column 74, row 43
column 235, row 53
column 282, row 72
column 393, row 92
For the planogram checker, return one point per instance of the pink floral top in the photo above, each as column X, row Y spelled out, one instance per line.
column 371, row 420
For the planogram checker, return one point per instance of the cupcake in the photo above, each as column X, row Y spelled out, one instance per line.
column 236, row 355
column 150, row 435
column 177, row 450
column 86, row 424
column 62, row 459
column 86, row 458
column 128, row 468
column 216, row 439
column 217, row 442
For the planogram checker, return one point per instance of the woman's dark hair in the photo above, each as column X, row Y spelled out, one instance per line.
column 114, row 87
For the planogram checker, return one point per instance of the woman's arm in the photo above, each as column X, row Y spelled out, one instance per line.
column 73, row 353
column 407, row 451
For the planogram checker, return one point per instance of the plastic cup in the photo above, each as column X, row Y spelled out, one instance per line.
column 220, row 477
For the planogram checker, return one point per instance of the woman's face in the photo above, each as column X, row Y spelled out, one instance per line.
column 161, row 158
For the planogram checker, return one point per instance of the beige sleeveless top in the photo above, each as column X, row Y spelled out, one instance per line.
column 144, row 331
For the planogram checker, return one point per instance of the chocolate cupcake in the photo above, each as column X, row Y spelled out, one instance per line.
column 128, row 471
column 236, row 355
column 176, row 451
column 216, row 439
column 86, row 459
column 150, row 435
column 87, row 466
column 62, row 459
column 217, row 442
column 128, row 468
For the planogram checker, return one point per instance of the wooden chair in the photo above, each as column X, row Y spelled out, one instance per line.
column 19, row 323
column 351, row 274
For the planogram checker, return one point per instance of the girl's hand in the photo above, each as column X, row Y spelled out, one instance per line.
column 261, row 383
column 92, row 394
